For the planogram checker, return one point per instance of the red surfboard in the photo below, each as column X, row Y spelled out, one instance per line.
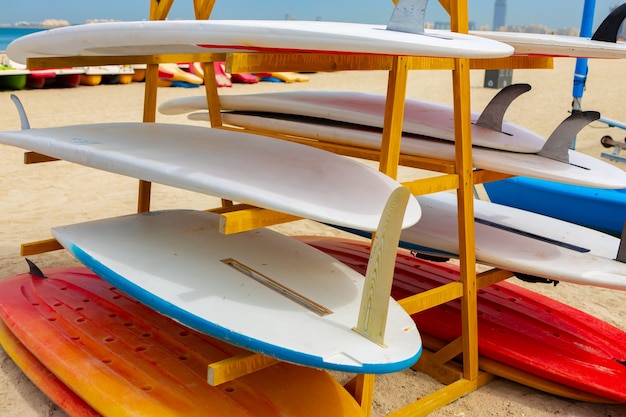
column 107, row 353
column 532, row 338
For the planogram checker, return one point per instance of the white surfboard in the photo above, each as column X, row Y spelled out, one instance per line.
column 277, row 175
column 520, row 241
column 556, row 45
column 198, row 36
column 420, row 117
column 260, row 290
column 582, row 169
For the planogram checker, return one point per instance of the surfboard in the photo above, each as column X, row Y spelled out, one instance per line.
column 139, row 362
column 252, row 169
column 556, row 45
column 300, row 305
column 522, row 335
column 202, row 36
column 603, row 43
column 603, row 210
column 581, row 170
column 420, row 117
column 533, row 246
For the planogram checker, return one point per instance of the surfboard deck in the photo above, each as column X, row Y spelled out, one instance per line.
column 252, row 169
column 599, row 209
column 420, row 117
column 259, row 290
column 581, row 170
column 556, row 45
column 198, row 36
column 520, row 241
column 139, row 362
column 568, row 352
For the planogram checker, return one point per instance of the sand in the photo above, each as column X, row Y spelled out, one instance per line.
column 35, row 198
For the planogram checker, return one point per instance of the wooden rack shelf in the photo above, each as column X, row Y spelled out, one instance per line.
column 456, row 175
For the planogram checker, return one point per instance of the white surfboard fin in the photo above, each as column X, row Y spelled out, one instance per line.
column 408, row 16
column 609, row 28
column 380, row 268
column 621, row 251
column 20, row 109
column 561, row 139
column 34, row 269
column 493, row 115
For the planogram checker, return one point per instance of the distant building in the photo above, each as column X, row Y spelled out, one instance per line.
column 499, row 14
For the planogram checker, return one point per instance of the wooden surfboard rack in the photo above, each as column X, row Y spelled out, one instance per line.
column 459, row 175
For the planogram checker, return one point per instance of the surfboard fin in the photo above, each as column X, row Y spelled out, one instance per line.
column 20, row 109
column 408, row 16
column 621, row 251
column 561, row 139
column 34, row 269
column 609, row 28
column 372, row 318
column 493, row 115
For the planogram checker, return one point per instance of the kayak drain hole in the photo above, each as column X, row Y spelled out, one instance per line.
column 183, row 357
column 109, row 339
column 229, row 389
column 141, row 349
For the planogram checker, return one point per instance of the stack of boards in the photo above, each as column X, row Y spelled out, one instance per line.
column 522, row 335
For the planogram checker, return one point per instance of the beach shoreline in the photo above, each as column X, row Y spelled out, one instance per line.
column 38, row 197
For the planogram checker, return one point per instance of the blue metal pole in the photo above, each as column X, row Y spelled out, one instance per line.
column 580, row 73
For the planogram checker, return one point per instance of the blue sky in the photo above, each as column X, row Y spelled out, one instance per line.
column 552, row 13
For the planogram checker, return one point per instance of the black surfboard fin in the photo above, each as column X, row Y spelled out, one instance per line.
column 408, row 16
column 621, row 251
column 20, row 109
column 561, row 139
column 432, row 258
column 493, row 115
column 609, row 28
column 536, row 280
column 34, row 269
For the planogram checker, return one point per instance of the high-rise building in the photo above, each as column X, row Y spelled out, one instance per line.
column 499, row 14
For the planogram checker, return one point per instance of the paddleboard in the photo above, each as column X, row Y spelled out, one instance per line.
column 599, row 209
column 265, row 172
column 420, row 117
column 45, row 380
column 533, row 246
column 202, row 36
column 300, row 305
column 137, row 362
column 556, row 45
column 581, row 170
column 568, row 352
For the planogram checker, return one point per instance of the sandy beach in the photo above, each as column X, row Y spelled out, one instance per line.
column 35, row 198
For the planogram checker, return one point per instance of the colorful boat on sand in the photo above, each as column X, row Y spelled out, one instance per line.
column 12, row 78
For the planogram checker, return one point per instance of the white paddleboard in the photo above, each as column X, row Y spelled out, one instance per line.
column 556, row 45
column 420, row 117
column 202, row 36
column 269, row 173
column 582, row 169
column 514, row 241
column 260, row 290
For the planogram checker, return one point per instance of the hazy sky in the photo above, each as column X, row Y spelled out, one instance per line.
column 555, row 14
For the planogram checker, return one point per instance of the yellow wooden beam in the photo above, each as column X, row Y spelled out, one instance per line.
column 41, row 246
column 203, row 8
column 432, row 184
column 69, row 61
column 237, row 366
column 36, row 158
column 431, row 298
column 159, row 9
column 240, row 218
